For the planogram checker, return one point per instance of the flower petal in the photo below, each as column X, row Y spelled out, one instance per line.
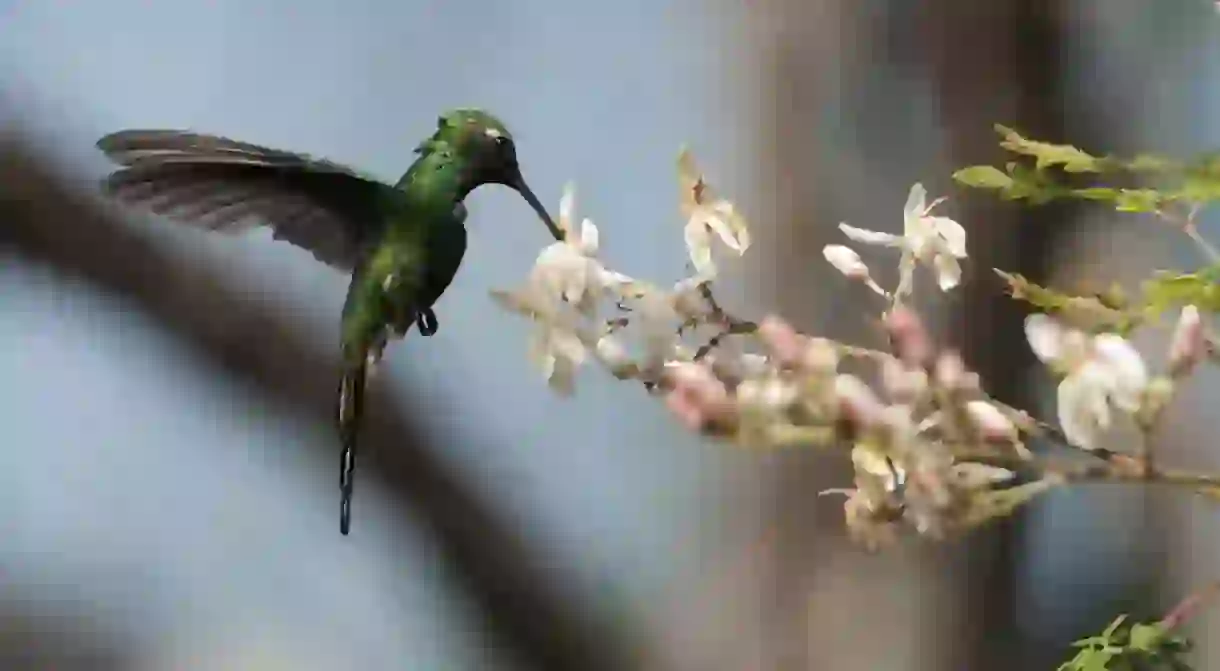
column 1129, row 374
column 717, row 225
column 993, row 423
column 566, row 345
column 871, row 237
column 658, row 326
column 567, row 205
column 616, row 282
column 699, row 246
column 689, row 182
column 539, row 352
column 1083, row 408
column 729, row 225
column 589, row 238
column 951, row 233
column 1045, row 336
column 948, row 271
column 563, row 376
column 914, row 209
column 869, row 461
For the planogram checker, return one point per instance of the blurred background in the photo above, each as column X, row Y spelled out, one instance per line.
column 167, row 482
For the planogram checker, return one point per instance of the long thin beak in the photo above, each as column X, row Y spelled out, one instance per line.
column 522, row 188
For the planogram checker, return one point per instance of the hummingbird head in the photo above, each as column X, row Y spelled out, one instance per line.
column 487, row 154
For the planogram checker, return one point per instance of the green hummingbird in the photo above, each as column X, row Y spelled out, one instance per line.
column 402, row 244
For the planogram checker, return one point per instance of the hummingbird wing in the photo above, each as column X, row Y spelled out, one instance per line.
column 229, row 186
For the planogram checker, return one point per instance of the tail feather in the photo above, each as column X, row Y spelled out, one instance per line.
column 351, row 407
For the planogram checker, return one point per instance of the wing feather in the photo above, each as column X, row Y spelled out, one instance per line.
column 229, row 186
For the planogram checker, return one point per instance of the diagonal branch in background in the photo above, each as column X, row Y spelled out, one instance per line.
column 526, row 613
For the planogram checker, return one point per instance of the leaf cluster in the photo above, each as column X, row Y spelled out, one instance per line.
column 1127, row 646
column 1045, row 171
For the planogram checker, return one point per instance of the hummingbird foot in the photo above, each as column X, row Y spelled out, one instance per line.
column 426, row 322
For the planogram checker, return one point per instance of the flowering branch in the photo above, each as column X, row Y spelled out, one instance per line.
column 930, row 449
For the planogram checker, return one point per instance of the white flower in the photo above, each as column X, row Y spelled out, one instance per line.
column 569, row 269
column 1101, row 371
column 707, row 216
column 874, row 472
column 555, row 346
column 658, row 324
column 847, row 261
column 659, row 313
column 730, row 361
column 557, row 352
column 767, row 396
column 611, row 352
column 938, row 241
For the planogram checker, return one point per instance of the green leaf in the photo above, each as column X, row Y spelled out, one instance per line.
column 1096, row 193
column 983, row 177
column 1146, row 637
column 1199, row 188
column 1089, row 312
column 1138, row 200
column 1093, row 659
column 1167, row 290
column 1109, row 631
column 1152, row 163
column 1046, row 155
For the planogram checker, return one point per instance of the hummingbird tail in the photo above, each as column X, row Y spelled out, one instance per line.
column 351, row 402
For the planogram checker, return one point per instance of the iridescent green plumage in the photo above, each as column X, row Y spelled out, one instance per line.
column 403, row 243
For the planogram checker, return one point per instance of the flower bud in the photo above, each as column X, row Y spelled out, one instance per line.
column 1189, row 343
column 857, row 402
column 820, row 357
column 767, row 395
column 696, row 397
column 611, row 352
column 951, row 374
column 846, row 261
column 785, row 344
column 990, row 421
column 902, row 385
column 909, row 337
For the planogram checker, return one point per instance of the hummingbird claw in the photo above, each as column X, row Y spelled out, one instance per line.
column 426, row 321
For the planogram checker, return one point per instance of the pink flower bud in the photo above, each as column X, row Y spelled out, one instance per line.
column 820, row 357
column 902, row 384
column 783, row 341
column 857, row 402
column 951, row 373
column 1189, row 343
column 991, row 422
column 909, row 337
column 697, row 396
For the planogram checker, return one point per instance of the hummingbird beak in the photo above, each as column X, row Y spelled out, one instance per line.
column 518, row 184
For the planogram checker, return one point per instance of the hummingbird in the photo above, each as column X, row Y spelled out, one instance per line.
column 402, row 244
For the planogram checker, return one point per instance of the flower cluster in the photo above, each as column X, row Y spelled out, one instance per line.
column 931, row 451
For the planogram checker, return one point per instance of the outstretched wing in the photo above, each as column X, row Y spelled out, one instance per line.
column 229, row 186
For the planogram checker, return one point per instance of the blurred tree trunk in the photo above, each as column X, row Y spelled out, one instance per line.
column 841, row 139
